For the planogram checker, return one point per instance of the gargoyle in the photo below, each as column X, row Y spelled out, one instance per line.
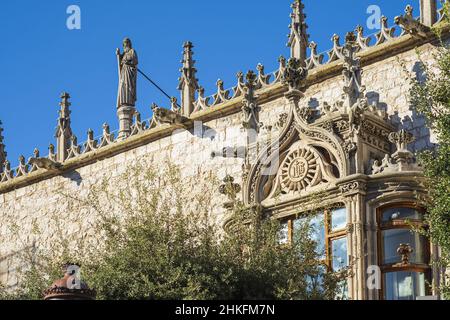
column 411, row 25
column 164, row 116
column 45, row 163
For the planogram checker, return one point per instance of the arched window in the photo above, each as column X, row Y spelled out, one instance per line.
column 403, row 252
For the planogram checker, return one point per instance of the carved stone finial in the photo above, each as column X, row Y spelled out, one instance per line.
column 188, row 83
column 231, row 190
column 250, row 108
column 294, row 74
column 107, row 136
column 298, row 37
column 63, row 129
column 3, row 153
column 51, row 152
column 91, row 143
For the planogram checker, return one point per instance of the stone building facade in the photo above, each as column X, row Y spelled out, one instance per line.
column 335, row 126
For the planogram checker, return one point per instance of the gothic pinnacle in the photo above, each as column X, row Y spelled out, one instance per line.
column 188, row 82
column 63, row 129
column 298, row 37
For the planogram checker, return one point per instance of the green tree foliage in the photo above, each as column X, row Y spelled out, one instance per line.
column 430, row 96
column 158, row 240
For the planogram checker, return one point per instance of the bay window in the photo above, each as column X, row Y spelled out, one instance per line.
column 404, row 253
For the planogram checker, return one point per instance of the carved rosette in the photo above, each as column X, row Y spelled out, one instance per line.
column 299, row 170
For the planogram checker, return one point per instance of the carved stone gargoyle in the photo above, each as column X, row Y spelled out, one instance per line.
column 411, row 25
column 45, row 163
column 163, row 116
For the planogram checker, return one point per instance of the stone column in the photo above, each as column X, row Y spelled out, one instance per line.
column 428, row 12
column 125, row 115
column 354, row 192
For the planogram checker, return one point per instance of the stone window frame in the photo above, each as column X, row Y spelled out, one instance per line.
column 401, row 224
column 330, row 235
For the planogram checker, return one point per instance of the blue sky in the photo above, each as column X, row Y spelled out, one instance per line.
column 40, row 57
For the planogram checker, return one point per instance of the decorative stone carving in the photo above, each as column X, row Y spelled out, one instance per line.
column 107, row 137
column 353, row 187
column 163, row 116
column 299, row 170
column 386, row 34
column 353, row 98
column 315, row 59
column 188, row 83
column 363, row 43
column 22, row 169
column 45, row 163
column 75, row 149
column 298, row 37
column 222, row 95
column 51, row 152
column 91, row 143
column 138, row 125
column 7, row 174
column 263, row 79
column 250, row 108
column 410, row 25
column 302, row 168
column 63, row 130
column 34, row 167
column 282, row 119
column 126, row 97
column 202, row 102
column 294, row 74
column 231, row 190
column 335, row 53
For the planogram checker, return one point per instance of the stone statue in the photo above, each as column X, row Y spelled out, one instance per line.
column 128, row 62
column 126, row 96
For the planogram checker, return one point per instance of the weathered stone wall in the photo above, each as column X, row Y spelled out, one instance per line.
column 41, row 205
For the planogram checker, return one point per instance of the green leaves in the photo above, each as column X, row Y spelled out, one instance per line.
column 432, row 98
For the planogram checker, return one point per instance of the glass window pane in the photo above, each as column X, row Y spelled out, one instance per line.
column 284, row 233
column 404, row 285
column 338, row 219
column 340, row 256
column 317, row 224
column 393, row 238
column 401, row 214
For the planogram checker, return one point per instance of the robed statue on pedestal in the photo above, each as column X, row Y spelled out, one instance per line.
column 127, row 62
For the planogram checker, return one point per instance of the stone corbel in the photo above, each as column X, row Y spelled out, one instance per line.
column 354, row 187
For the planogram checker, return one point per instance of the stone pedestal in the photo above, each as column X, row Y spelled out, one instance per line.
column 125, row 114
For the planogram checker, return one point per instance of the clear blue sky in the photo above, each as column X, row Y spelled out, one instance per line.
column 40, row 57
